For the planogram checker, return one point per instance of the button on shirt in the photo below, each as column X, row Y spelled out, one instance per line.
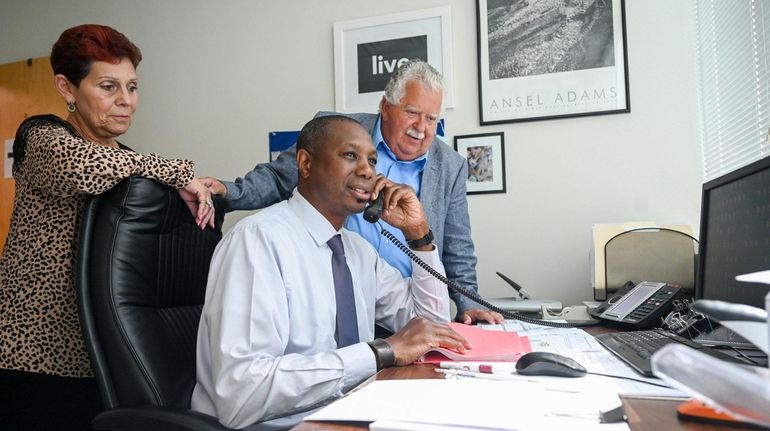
column 402, row 172
column 266, row 344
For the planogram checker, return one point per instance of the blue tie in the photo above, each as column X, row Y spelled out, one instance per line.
column 347, row 324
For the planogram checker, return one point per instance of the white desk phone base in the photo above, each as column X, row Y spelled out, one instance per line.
column 525, row 305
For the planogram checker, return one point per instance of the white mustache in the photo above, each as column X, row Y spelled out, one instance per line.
column 415, row 134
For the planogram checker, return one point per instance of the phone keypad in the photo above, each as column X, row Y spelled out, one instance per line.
column 650, row 305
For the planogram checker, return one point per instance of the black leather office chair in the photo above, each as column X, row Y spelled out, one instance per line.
column 141, row 279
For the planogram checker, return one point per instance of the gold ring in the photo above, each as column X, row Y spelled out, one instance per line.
column 210, row 203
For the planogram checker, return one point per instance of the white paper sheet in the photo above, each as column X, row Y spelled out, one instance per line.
column 477, row 403
column 7, row 158
column 583, row 347
column 755, row 277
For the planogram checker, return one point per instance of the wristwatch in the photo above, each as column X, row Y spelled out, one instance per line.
column 383, row 353
column 421, row 242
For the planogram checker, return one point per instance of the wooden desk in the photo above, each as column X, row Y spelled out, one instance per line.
column 643, row 414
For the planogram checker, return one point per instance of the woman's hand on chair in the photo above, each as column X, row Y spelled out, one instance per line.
column 197, row 197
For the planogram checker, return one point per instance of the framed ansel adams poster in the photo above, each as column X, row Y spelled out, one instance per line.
column 485, row 156
column 548, row 59
column 367, row 51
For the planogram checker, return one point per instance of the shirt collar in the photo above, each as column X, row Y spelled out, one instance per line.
column 316, row 224
column 384, row 149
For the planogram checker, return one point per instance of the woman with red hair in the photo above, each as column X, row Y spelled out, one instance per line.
column 46, row 381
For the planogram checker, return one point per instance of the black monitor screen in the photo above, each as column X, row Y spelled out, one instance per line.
column 735, row 235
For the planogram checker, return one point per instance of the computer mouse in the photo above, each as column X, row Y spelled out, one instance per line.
column 548, row 364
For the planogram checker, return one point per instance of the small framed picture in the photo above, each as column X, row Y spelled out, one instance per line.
column 367, row 51
column 485, row 155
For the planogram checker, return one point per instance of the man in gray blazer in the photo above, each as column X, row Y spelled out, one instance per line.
column 408, row 153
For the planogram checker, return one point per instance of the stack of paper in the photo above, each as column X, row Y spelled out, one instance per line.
column 485, row 346
column 449, row 404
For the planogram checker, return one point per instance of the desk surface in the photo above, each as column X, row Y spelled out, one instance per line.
column 643, row 414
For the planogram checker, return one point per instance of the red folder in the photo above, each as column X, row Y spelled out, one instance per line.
column 486, row 345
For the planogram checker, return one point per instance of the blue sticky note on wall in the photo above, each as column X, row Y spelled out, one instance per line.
column 279, row 141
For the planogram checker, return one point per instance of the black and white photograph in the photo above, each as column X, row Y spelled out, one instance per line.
column 485, row 155
column 551, row 59
column 367, row 51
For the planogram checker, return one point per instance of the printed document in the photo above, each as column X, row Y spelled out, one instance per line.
column 444, row 404
column 583, row 347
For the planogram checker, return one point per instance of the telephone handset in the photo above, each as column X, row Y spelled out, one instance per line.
column 641, row 307
column 372, row 214
column 373, row 211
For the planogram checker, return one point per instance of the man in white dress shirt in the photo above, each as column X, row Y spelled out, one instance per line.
column 267, row 353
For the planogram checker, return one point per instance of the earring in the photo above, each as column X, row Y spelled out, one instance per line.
column 70, row 107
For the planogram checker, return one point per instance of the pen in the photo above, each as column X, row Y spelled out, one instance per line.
column 507, row 377
column 478, row 367
column 475, row 375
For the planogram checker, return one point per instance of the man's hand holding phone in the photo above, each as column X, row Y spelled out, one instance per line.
column 402, row 209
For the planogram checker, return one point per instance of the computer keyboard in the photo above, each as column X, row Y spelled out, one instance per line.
column 636, row 347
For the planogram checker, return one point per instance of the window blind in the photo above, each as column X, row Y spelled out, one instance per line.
column 733, row 82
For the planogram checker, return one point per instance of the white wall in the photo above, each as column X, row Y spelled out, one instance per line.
column 217, row 76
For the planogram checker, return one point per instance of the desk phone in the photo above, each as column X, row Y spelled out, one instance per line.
column 642, row 306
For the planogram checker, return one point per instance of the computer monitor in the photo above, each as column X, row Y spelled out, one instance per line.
column 735, row 235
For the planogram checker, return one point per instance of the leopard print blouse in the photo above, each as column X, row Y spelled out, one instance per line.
column 55, row 171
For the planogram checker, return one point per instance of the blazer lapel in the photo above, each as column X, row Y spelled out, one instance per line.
column 430, row 195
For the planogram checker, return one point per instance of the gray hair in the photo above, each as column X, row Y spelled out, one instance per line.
column 413, row 70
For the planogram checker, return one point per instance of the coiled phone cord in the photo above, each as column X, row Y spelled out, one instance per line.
column 461, row 290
